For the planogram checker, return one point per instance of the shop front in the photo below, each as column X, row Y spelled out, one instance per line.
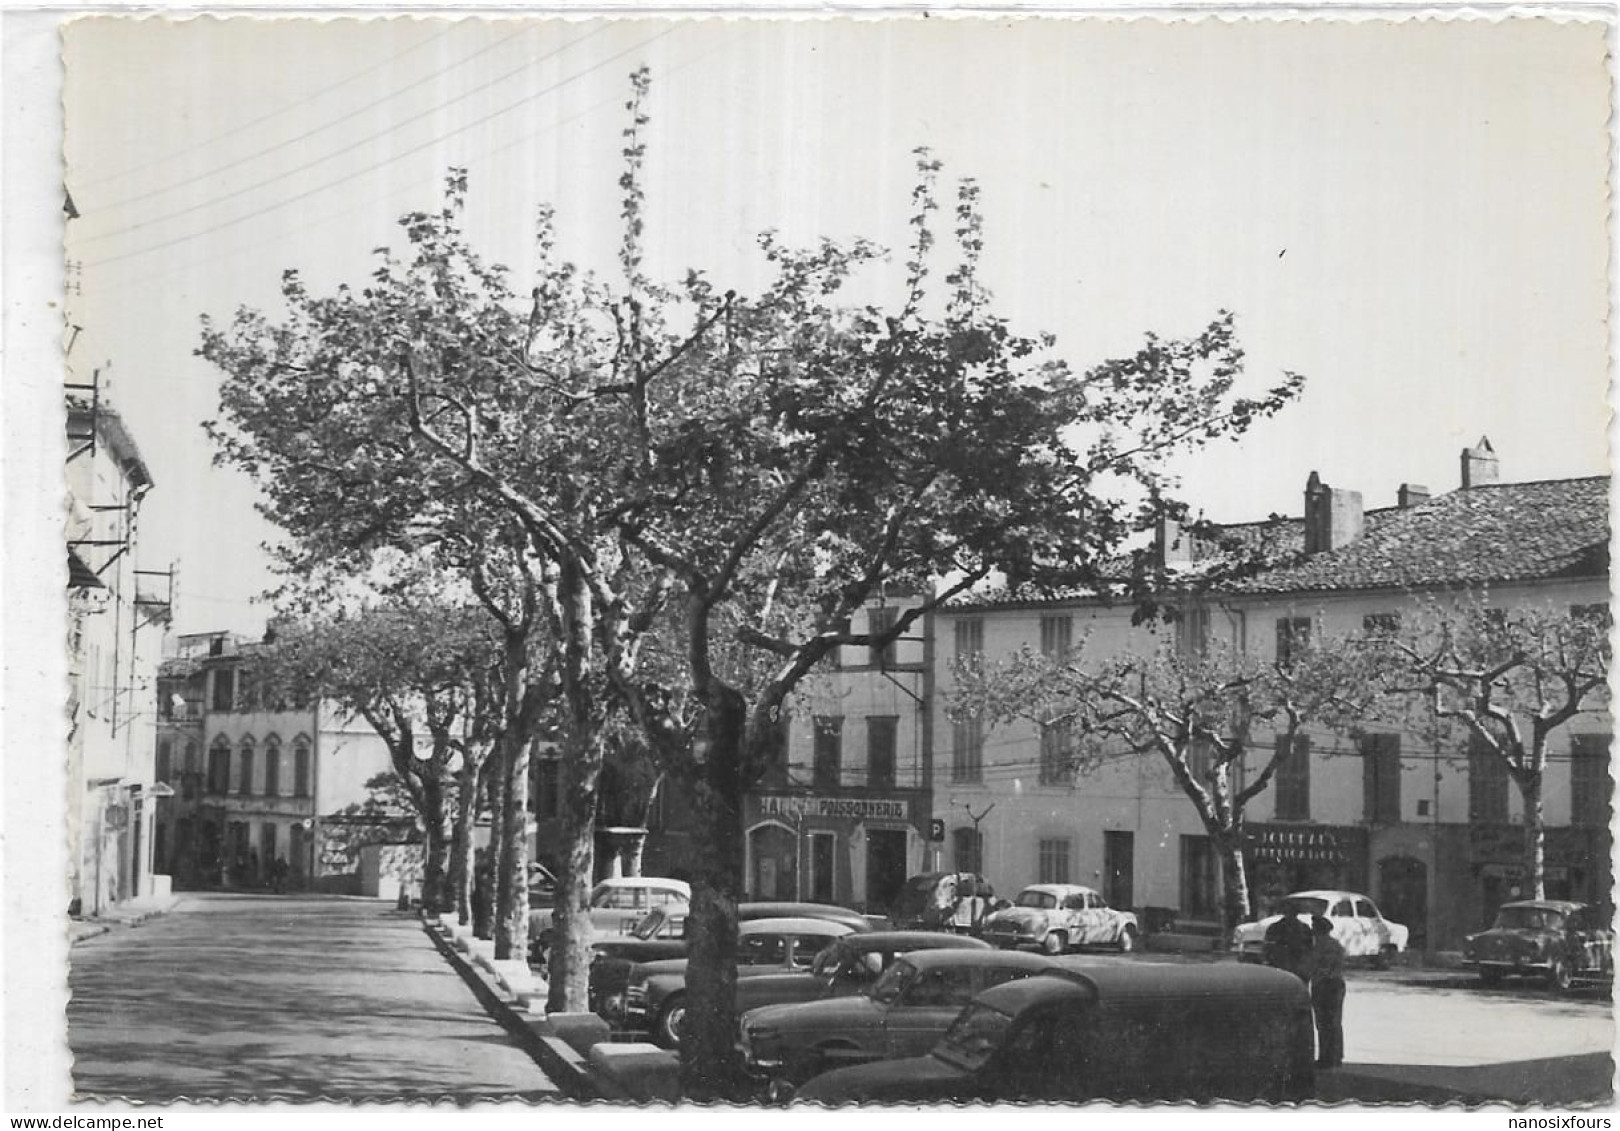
column 834, row 848
column 1281, row 859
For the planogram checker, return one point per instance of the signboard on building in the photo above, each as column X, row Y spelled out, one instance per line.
column 1288, row 846
column 797, row 806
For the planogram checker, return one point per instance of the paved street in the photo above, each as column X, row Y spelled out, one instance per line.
column 264, row 997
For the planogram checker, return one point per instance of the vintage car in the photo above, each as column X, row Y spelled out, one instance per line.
column 903, row 1013
column 1124, row 1031
column 1059, row 917
column 655, row 992
column 1552, row 939
column 617, row 906
column 1357, row 923
column 943, row 901
column 612, row 959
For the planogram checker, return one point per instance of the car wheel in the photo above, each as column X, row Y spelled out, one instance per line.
column 1385, row 958
column 1558, row 977
column 667, row 1030
column 1055, row 942
column 1490, row 978
column 1127, row 940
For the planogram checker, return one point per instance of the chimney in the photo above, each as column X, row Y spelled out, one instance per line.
column 1332, row 517
column 1172, row 546
column 1479, row 464
column 1411, row 495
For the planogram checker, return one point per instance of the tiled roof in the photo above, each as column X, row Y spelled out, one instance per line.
column 1555, row 528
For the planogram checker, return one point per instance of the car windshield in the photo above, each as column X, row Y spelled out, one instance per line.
column 975, row 1034
column 1303, row 905
column 1044, row 900
column 650, row 924
column 1529, row 919
column 888, row 987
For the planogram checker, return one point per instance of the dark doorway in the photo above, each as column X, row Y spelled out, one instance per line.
column 1119, row 851
column 775, row 870
column 885, row 867
column 1403, row 895
column 821, row 867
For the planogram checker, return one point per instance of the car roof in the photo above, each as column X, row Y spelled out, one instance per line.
column 643, row 882
column 1058, row 889
column 1324, row 893
column 1112, row 983
column 913, row 940
column 792, row 909
column 996, row 959
column 792, row 926
column 1566, row 906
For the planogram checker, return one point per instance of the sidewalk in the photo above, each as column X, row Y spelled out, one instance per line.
column 126, row 914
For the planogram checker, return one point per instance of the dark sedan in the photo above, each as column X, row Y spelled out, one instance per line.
column 1554, row 940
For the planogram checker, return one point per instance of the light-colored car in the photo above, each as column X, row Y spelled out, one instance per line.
column 617, row 905
column 1060, row 917
column 903, row 1013
column 1357, row 923
column 655, row 992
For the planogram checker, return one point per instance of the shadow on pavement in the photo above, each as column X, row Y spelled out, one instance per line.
column 1564, row 1081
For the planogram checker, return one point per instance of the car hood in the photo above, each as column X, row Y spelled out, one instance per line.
column 1509, row 938
column 919, row 1078
column 1257, row 929
column 659, row 966
column 837, row 1012
column 640, row 950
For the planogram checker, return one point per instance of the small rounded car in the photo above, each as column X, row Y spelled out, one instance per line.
column 617, row 906
column 1555, row 940
column 655, row 992
column 1357, row 923
column 903, row 1013
column 1059, row 917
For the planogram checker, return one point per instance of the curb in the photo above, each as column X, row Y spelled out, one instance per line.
column 523, row 1018
column 81, row 929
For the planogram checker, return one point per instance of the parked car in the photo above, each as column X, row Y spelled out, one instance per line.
column 1552, row 939
column 612, row 959
column 1357, row 923
column 1059, row 917
column 655, row 992
column 943, row 901
column 903, row 1013
column 617, row 906
column 542, row 887
column 1108, row 1031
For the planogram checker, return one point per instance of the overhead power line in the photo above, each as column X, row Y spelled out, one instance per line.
column 305, row 135
column 236, row 129
column 392, row 128
column 391, row 159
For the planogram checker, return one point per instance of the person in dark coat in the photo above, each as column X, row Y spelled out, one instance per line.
column 1288, row 945
column 483, row 895
column 1327, row 993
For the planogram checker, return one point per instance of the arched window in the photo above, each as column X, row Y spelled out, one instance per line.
column 244, row 778
column 219, row 766
column 272, row 766
column 191, row 758
column 301, row 782
column 161, row 771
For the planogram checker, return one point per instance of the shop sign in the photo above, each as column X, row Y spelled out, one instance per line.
column 117, row 817
column 1316, row 846
column 798, row 806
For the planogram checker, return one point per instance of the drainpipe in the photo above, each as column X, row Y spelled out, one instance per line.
column 925, row 728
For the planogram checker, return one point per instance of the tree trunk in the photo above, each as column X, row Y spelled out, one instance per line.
column 461, row 840
column 495, row 786
column 710, row 1067
column 512, row 916
column 568, row 957
column 435, row 845
column 1535, row 837
column 1234, row 877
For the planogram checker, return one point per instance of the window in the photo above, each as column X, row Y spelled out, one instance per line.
column 160, row 771
column 547, row 787
column 1057, row 634
column 219, row 766
column 272, row 767
column 301, row 782
column 1381, row 777
column 224, row 690
column 878, row 621
column 1052, row 860
column 829, row 751
column 969, row 639
column 1293, row 778
column 1487, row 784
column 967, row 849
column 1381, row 624
column 1589, row 785
column 244, row 779
column 1200, row 878
column 1293, row 634
column 881, row 731
column 1119, row 854
column 1192, row 632
column 1057, row 754
column 191, row 758
column 967, row 749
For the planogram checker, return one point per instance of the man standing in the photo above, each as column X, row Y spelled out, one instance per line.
column 1288, row 945
column 1327, row 993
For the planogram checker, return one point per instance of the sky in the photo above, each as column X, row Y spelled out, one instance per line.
column 1411, row 215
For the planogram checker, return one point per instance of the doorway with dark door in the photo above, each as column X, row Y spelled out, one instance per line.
column 1119, row 852
column 885, row 868
column 1403, row 896
column 821, row 867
